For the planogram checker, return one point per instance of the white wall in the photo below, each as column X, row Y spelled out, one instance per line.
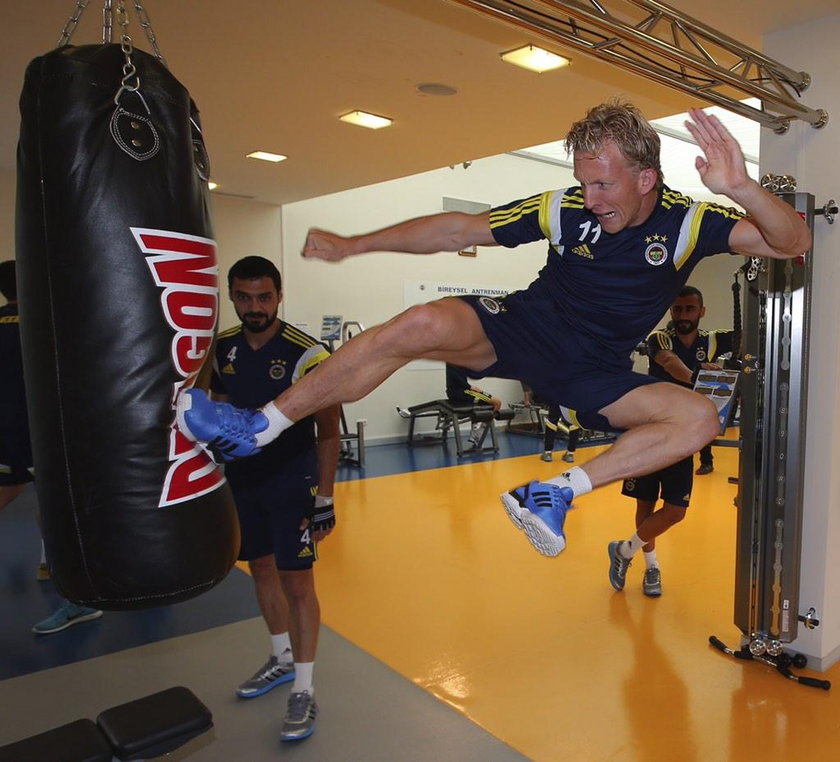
column 369, row 288
column 242, row 228
column 813, row 157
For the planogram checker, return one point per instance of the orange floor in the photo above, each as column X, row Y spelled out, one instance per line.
column 427, row 574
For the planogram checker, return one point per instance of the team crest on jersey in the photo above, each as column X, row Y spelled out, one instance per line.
column 629, row 485
column 700, row 355
column 491, row 305
column 656, row 254
column 277, row 371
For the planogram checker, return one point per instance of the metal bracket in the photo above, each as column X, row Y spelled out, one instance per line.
column 810, row 619
column 828, row 210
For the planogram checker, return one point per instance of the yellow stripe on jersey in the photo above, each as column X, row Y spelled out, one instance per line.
column 662, row 338
column 10, row 319
column 230, row 332
column 689, row 232
column 570, row 416
column 573, row 200
column 296, row 336
column 314, row 356
column 505, row 216
column 673, row 198
column 712, row 351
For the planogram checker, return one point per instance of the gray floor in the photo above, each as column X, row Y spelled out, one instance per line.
column 368, row 711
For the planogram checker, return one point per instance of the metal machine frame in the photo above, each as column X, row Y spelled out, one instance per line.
column 772, row 458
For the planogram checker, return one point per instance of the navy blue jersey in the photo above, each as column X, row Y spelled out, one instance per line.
column 705, row 348
column 251, row 378
column 12, row 390
column 612, row 288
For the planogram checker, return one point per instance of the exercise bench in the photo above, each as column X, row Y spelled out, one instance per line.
column 448, row 416
column 142, row 729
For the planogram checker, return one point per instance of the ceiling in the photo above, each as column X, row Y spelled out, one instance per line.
column 276, row 74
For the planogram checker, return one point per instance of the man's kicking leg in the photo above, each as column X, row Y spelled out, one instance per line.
column 664, row 423
column 447, row 329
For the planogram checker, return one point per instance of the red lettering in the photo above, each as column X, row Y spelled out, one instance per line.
column 190, row 476
column 185, row 267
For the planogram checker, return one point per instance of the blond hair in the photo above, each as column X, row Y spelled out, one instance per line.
column 623, row 124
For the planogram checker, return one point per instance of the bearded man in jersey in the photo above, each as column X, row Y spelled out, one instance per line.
column 284, row 493
column 675, row 354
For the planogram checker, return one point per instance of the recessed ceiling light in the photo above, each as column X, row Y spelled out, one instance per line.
column 364, row 119
column 435, row 88
column 535, row 59
column 267, row 156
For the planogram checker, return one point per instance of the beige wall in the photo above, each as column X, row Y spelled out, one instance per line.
column 7, row 215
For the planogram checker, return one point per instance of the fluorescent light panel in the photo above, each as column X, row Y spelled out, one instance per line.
column 267, row 156
column 535, row 59
column 364, row 119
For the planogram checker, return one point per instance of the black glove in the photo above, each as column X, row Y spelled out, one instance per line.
column 322, row 518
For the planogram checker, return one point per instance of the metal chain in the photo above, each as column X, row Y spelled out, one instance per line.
column 146, row 24
column 107, row 23
column 72, row 22
column 130, row 80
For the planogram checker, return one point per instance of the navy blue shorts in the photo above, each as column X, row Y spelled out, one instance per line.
column 270, row 510
column 532, row 346
column 15, row 457
column 672, row 483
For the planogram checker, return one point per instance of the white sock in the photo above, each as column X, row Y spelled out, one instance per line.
column 277, row 424
column 303, row 677
column 628, row 548
column 280, row 644
column 650, row 560
column 575, row 478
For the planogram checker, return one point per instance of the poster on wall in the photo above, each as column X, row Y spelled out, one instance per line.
column 422, row 291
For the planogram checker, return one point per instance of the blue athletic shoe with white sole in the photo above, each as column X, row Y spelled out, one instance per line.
column 539, row 510
column 226, row 429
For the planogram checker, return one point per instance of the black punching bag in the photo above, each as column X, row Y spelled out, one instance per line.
column 118, row 290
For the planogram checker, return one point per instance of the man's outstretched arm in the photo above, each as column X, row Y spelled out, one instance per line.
column 772, row 228
column 450, row 231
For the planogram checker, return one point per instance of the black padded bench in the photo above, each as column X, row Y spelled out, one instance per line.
column 143, row 729
column 448, row 416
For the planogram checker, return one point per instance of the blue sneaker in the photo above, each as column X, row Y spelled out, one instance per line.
column 539, row 509
column 226, row 429
column 618, row 565
column 67, row 615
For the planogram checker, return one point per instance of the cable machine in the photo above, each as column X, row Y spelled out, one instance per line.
column 774, row 379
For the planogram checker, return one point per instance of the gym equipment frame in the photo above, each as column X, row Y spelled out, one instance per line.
column 774, row 378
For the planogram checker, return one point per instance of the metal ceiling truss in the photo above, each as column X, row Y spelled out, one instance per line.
column 666, row 46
